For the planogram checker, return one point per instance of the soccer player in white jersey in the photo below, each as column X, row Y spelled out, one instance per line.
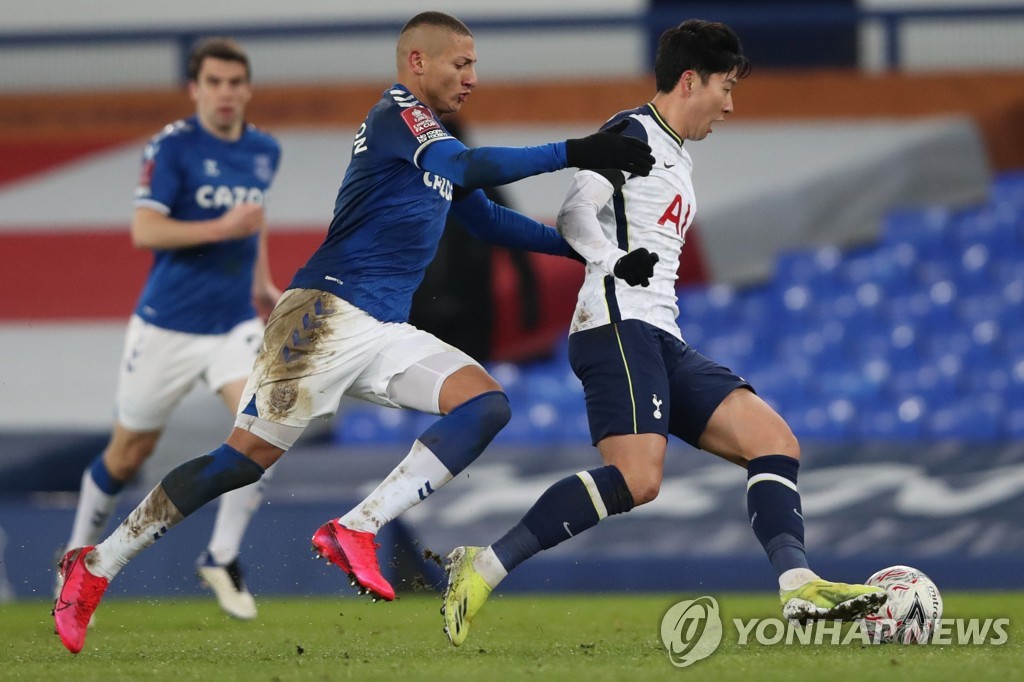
column 199, row 208
column 641, row 380
column 341, row 327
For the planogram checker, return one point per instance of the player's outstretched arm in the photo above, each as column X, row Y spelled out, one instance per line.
column 499, row 225
column 493, row 166
column 610, row 149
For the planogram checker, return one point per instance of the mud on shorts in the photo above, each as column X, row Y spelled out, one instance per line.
column 318, row 347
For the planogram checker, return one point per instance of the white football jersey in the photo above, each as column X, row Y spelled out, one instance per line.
column 606, row 215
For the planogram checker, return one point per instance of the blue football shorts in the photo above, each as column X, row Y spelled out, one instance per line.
column 638, row 378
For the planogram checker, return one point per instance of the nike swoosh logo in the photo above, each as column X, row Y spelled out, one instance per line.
column 62, row 604
column 798, row 514
column 669, row 165
column 565, row 524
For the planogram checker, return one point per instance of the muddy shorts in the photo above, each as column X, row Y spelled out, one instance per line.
column 318, row 348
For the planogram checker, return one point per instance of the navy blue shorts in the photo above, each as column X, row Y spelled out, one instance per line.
column 640, row 379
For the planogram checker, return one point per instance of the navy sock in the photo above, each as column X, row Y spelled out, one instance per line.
column 459, row 437
column 567, row 508
column 202, row 479
column 104, row 481
column 776, row 516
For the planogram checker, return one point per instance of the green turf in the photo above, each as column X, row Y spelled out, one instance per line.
column 582, row 638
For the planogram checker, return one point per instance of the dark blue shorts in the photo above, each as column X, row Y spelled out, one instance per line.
column 640, row 379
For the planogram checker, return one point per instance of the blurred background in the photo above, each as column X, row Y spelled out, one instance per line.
column 858, row 255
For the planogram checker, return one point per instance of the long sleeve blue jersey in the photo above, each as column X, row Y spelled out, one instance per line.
column 393, row 202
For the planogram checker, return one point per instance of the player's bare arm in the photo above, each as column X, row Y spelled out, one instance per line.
column 154, row 230
column 264, row 293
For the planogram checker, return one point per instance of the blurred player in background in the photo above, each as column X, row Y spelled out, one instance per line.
column 341, row 328
column 641, row 380
column 199, row 207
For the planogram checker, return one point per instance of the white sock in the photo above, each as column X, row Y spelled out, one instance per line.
column 490, row 569
column 795, row 577
column 418, row 475
column 234, row 512
column 145, row 525
column 93, row 512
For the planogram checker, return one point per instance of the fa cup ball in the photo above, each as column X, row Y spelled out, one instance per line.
column 911, row 612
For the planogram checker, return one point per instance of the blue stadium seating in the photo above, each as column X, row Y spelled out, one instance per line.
column 920, row 336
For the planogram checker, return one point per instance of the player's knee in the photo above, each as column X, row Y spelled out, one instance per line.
column 779, row 441
column 495, row 411
column 790, row 445
column 199, row 480
column 644, row 487
column 783, row 442
column 124, row 462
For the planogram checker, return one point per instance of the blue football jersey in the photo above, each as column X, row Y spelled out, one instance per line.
column 390, row 211
column 189, row 174
column 389, row 214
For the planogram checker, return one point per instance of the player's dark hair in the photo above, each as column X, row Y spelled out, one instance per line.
column 706, row 47
column 440, row 20
column 218, row 48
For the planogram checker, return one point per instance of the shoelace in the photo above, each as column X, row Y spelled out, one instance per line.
column 367, row 544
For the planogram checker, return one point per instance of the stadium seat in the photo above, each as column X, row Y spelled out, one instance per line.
column 917, row 336
column 891, row 422
column 978, row 419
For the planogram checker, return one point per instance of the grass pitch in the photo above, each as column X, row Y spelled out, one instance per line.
column 579, row 637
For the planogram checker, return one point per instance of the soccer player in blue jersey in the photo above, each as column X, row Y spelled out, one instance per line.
column 199, row 208
column 340, row 328
column 641, row 380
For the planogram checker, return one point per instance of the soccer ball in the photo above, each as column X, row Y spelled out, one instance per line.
column 913, row 608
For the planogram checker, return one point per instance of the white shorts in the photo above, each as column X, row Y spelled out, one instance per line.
column 318, row 347
column 160, row 367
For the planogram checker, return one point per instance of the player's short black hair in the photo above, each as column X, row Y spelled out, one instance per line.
column 440, row 20
column 706, row 47
column 218, row 48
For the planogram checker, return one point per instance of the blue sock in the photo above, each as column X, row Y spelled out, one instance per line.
column 104, row 481
column 567, row 508
column 459, row 437
column 776, row 516
column 202, row 479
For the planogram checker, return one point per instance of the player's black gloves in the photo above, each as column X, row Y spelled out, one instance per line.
column 636, row 267
column 609, row 149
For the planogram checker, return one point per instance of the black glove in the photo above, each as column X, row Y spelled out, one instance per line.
column 609, row 149
column 636, row 267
